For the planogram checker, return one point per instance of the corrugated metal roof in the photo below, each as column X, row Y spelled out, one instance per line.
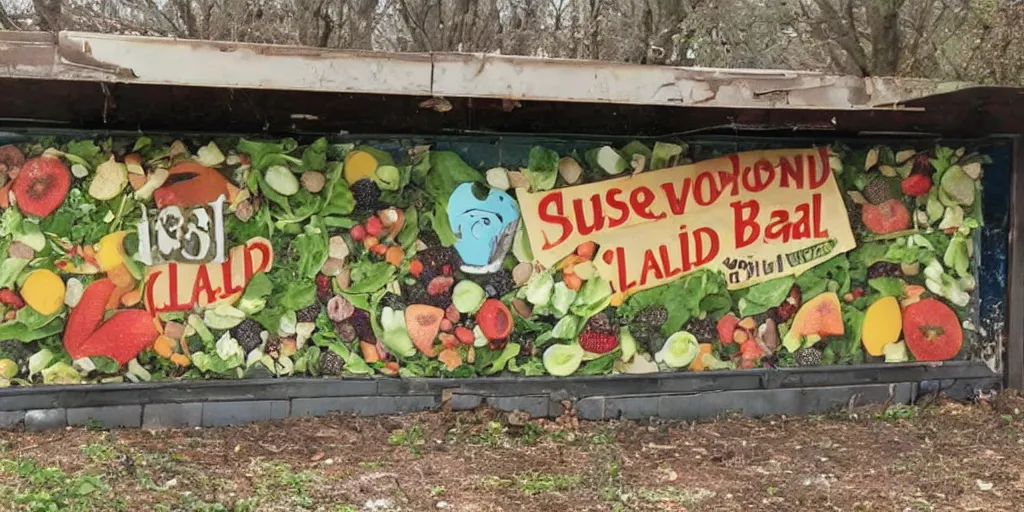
column 162, row 61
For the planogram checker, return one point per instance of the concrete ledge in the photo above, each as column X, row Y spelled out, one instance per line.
column 222, row 414
column 688, row 396
column 172, row 415
column 45, row 419
column 107, row 417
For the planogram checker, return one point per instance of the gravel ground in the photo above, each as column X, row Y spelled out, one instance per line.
column 946, row 456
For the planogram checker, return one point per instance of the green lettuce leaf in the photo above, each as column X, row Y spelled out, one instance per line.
column 761, row 297
column 542, row 168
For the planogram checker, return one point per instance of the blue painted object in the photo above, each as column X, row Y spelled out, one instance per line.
column 484, row 227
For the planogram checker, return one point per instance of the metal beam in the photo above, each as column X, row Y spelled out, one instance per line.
column 1015, row 280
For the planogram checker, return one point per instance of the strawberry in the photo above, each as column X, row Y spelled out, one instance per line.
column 452, row 314
column 439, row 285
column 358, row 233
column 323, row 287
column 598, row 342
column 9, row 298
column 916, row 185
column 374, row 226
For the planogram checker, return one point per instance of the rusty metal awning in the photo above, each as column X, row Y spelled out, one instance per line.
column 86, row 79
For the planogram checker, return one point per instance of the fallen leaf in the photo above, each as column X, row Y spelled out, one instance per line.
column 317, row 457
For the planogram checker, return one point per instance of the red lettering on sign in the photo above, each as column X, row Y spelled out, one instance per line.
column 612, row 198
column 792, row 172
column 640, row 199
column 557, row 217
column 581, row 218
column 620, row 255
column 229, row 287
column 819, row 179
column 745, row 225
column 650, row 265
column 203, row 285
column 677, row 202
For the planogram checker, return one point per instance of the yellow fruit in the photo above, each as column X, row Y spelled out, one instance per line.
column 359, row 165
column 43, row 291
column 110, row 253
column 882, row 325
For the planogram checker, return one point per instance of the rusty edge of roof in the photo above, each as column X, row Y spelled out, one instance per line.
column 168, row 61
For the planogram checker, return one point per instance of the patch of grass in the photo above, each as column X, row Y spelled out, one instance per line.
column 98, row 452
column 599, row 439
column 437, row 490
column 493, row 434
column 282, row 479
column 535, row 483
column 371, row 465
column 346, row 508
column 532, row 433
column 45, row 489
column 898, row 412
column 411, row 437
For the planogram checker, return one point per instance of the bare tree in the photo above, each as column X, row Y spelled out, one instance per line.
column 975, row 40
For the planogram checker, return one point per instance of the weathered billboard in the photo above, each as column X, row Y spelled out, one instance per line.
column 156, row 258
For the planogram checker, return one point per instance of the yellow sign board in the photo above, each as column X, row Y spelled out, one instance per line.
column 756, row 216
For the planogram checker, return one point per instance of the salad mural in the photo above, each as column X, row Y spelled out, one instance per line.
column 151, row 259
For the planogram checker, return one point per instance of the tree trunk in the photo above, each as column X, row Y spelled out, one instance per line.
column 886, row 39
column 48, row 15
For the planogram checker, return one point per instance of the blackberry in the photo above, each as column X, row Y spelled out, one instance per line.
column 308, row 313
column 345, row 331
column 880, row 189
column 498, row 284
column 15, row 350
column 884, row 269
column 247, row 334
column 330, row 363
column 654, row 315
column 366, row 194
column 417, row 294
column 704, row 329
column 648, row 335
column 923, row 165
column 392, row 301
column 809, row 356
column 430, row 238
column 360, row 321
column 436, row 257
column 599, row 323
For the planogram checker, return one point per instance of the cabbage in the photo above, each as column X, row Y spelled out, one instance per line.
column 539, row 288
column 39, row 361
column 223, row 317
column 396, row 338
column 679, row 350
column 594, row 296
column 61, row 373
column 562, row 299
column 566, row 328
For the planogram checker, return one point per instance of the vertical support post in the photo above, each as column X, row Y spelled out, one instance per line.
column 1015, row 279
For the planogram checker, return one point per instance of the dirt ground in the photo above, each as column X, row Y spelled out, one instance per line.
column 946, row 456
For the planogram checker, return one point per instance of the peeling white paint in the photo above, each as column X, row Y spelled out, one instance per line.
column 166, row 61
